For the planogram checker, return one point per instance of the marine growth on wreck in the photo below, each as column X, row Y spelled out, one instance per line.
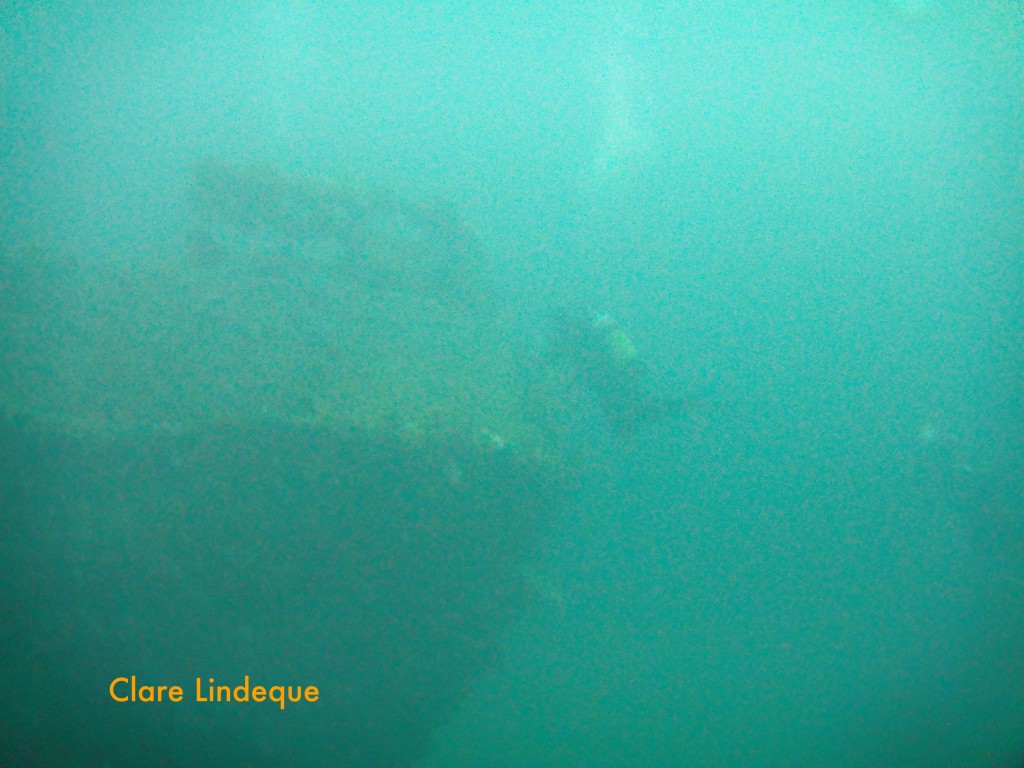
column 297, row 451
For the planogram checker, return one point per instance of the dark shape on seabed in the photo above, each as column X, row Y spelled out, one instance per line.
column 289, row 553
column 606, row 363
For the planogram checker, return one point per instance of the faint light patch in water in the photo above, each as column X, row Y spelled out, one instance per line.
column 914, row 9
column 453, row 473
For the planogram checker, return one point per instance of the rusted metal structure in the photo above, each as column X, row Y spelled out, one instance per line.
column 299, row 452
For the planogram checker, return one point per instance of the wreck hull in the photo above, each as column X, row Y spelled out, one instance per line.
column 296, row 555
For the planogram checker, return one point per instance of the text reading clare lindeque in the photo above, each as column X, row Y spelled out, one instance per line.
column 128, row 689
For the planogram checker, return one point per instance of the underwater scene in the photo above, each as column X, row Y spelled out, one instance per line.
column 548, row 385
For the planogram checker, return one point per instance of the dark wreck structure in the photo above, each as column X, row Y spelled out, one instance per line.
column 296, row 453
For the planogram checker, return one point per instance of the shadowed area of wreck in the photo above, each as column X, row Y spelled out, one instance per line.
column 265, row 458
column 294, row 555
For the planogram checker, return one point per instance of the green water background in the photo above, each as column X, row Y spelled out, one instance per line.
column 811, row 216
